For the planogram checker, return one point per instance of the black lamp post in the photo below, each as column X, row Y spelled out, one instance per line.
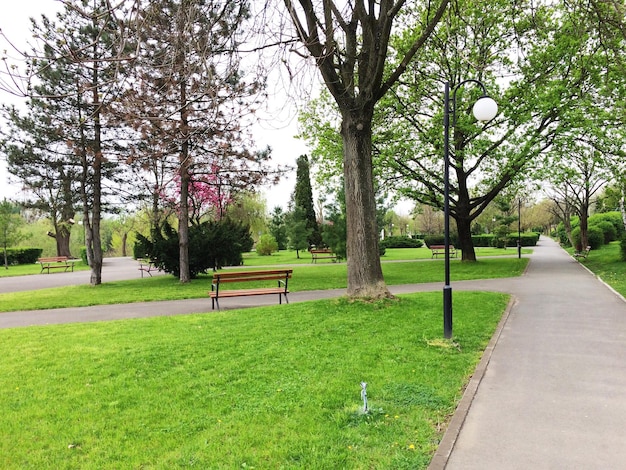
column 485, row 109
column 519, row 228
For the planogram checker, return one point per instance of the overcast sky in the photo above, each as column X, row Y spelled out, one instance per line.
column 277, row 133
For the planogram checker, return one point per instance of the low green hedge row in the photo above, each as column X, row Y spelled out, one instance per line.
column 22, row 255
column 488, row 239
column 401, row 242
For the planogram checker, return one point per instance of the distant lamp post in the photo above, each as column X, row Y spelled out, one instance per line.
column 485, row 109
column 519, row 228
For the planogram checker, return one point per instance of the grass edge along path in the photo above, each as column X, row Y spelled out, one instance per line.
column 330, row 276
column 265, row 388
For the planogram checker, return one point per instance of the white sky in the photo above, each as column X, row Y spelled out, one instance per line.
column 277, row 133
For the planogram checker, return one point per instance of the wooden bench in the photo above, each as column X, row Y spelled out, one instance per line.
column 582, row 254
column 323, row 253
column 56, row 262
column 146, row 266
column 282, row 277
column 441, row 250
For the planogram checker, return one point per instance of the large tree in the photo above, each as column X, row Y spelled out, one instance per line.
column 72, row 78
column 349, row 43
column 303, row 199
column 187, row 104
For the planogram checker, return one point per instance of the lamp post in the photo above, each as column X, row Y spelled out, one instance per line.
column 519, row 228
column 485, row 109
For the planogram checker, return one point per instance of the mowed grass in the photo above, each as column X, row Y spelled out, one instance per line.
column 608, row 265
column 310, row 277
column 265, row 388
column 35, row 268
column 287, row 257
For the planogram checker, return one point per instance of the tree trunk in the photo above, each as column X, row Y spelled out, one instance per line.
column 183, row 212
column 183, row 225
column 63, row 240
column 623, row 211
column 365, row 277
column 124, row 243
column 465, row 242
column 96, row 209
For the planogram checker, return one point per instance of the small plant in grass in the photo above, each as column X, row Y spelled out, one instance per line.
column 266, row 245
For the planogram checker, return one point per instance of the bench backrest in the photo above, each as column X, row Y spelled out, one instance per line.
column 53, row 258
column 239, row 276
column 440, row 247
column 324, row 250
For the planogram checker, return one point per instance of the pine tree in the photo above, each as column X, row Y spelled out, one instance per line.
column 303, row 199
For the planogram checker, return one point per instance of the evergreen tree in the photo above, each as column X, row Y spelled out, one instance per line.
column 297, row 231
column 303, row 199
column 277, row 227
column 187, row 103
column 10, row 223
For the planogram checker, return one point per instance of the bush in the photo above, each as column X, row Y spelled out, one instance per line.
column 212, row 245
column 22, row 255
column 334, row 235
column 400, row 242
column 266, row 245
column 608, row 230
column 595, row 237
column 485, row 239
column 614, row 218
column 437, row 240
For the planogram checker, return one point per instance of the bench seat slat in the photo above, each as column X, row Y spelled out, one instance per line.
column 245, row 292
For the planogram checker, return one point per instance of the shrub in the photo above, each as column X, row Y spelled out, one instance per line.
column 614, row 218
column 595, row 237
column 334, row 234
column 622, row 245
column 23, row 255
column 266, row 245
column 436, row 240
column 485, row 239
column 608, row 230
column 400, row 242
column 211, row 246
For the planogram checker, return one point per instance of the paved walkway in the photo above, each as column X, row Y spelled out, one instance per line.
column 551, row 395
column 548, row 394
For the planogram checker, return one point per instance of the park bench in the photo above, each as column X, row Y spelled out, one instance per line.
column 441, row 250
column 146, row 266
column 56, row 262
column 582, row 254
column 322, row 253
column 282, row 277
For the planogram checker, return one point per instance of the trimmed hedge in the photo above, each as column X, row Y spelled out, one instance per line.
column 23, row 255
column 400, row 242
column 488, row 239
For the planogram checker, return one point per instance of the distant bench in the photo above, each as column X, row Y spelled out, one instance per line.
column 146, row 266
column 56, row 262
column 282, row 277
column 441, row 250
column 582, row 254
column 323, row 253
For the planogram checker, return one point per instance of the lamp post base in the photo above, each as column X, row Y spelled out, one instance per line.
column 447, row 311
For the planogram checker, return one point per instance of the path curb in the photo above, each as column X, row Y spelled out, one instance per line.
column 444, row 450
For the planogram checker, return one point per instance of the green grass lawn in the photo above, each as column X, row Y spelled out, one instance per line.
column 391, row 254
column 309, row 277
column 608, row 265
column 35, row 268
column 263, row 388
